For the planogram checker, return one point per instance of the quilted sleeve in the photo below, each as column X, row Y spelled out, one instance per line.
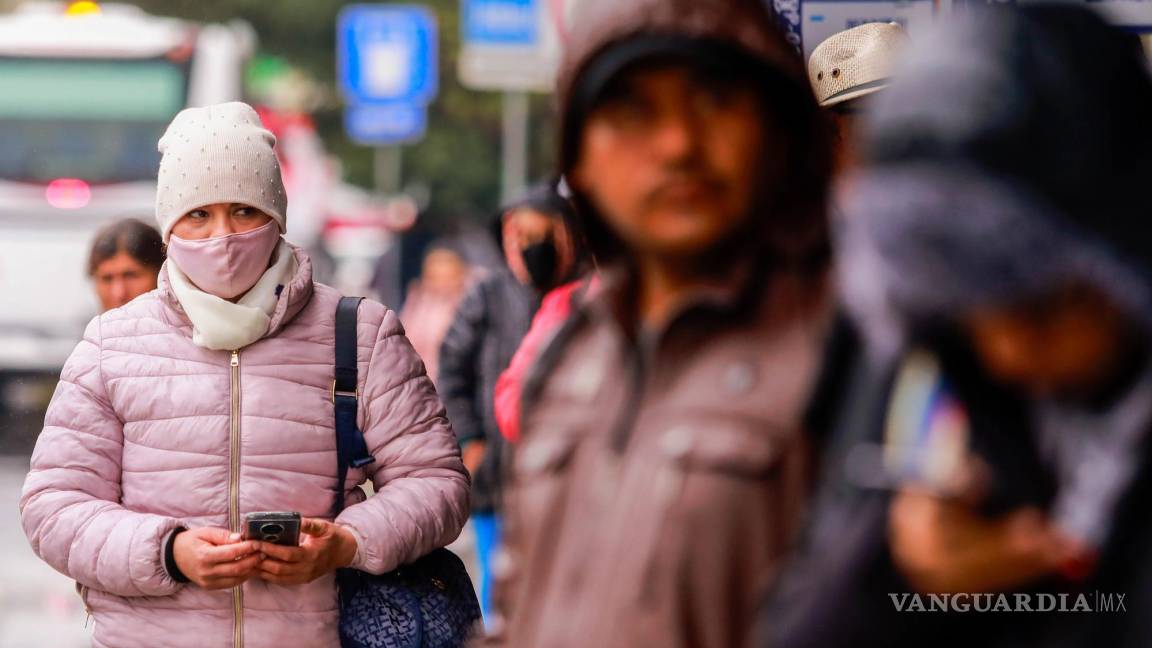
column 421, row 488
column 70, row 507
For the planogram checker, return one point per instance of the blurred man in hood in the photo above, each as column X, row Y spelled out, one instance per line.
column 661, row 468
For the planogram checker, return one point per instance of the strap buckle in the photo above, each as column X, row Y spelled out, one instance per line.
column 334, row 393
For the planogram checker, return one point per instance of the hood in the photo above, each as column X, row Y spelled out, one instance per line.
column 542, row 198
column 747, row 24
column 609, row 35
column 1002, row 164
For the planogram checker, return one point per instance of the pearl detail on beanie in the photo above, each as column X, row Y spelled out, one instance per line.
column 237, row 158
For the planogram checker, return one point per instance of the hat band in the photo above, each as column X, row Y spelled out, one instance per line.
column 871, row 85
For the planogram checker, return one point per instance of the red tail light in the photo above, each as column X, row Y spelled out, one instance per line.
column 68, row 193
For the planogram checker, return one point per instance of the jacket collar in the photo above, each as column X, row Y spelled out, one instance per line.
column 617, row 298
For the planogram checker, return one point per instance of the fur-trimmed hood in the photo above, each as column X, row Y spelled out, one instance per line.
column 1005, row 162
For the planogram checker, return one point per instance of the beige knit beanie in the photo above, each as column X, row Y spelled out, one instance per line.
column 218, row 154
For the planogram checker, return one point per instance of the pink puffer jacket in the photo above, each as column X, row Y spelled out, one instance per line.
column 147, row 433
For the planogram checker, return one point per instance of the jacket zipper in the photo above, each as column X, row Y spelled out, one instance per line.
column 234, row 497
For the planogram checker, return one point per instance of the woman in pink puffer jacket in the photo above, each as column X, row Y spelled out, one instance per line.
column 210, row 398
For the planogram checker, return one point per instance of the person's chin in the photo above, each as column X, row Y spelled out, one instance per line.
column 692, row 228
column 682, row 245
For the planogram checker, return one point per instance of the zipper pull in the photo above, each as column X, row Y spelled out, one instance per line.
column 235, row 358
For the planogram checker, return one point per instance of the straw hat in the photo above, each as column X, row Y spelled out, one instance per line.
column 854, row 62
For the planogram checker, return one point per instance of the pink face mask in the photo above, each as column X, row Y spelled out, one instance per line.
column 226, row 266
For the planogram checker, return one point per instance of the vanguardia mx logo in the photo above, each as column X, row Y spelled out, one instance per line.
column 1098, row 602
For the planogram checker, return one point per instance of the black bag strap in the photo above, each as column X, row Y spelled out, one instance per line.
column 351, row 449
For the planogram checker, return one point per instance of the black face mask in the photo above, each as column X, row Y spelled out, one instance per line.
column 540, row 259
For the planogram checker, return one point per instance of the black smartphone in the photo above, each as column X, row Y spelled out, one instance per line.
column 275, row 527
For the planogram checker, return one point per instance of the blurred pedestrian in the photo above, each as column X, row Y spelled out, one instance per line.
column 490, row 321
column 846, row 70
column 997, row 439
column 124, row 261
column 661, row 470
column 211, row 398
column 431, row 303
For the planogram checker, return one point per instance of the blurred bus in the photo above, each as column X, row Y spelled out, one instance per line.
column 86, row 90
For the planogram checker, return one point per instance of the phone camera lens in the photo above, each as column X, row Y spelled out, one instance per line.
column 271, row 530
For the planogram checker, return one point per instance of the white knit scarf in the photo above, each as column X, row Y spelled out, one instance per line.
column 220, row 325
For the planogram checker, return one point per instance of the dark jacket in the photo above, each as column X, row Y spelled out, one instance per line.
column 837, row 588
column 490, row 321
column 1002, row 167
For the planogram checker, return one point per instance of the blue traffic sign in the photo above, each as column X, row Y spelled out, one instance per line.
column 387, row 53
column 501, row 22
column 385, row 124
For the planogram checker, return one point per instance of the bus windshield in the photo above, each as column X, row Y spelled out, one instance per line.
column 97, row 120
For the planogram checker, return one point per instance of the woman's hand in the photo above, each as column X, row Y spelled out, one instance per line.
column 943, row 546
column 324, row 547
column 215, row 558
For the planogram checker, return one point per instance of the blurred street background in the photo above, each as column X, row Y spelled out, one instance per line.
column 38, row 606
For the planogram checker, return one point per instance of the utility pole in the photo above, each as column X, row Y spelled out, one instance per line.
column 514, row 158
column 388, row 169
